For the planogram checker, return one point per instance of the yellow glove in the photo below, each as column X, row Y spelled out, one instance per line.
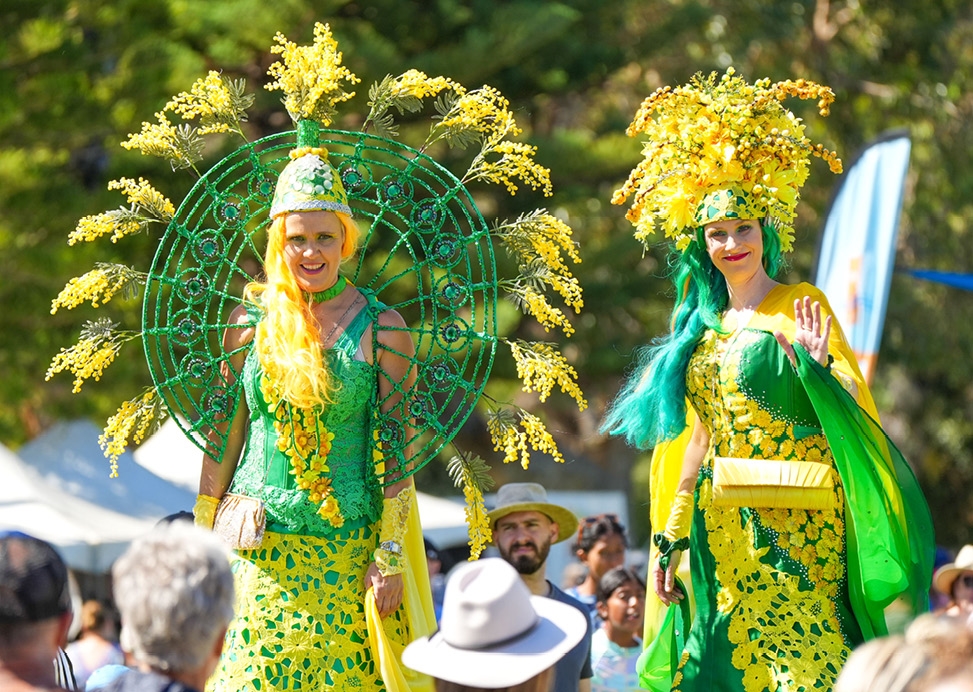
column 680, row 517
column 395, row 519
column 204, row 512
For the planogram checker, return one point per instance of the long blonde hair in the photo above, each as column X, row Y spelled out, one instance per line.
column 287, row 339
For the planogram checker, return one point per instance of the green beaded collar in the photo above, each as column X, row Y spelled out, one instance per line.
column 328, row 293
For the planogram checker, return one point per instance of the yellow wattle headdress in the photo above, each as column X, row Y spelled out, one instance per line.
column 713, row 137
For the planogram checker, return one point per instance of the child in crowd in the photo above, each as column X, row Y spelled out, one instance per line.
column 601, row 546
column 616, row 645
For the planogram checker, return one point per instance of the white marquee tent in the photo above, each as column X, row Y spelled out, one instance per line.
column 88, row 536
column 67, row 457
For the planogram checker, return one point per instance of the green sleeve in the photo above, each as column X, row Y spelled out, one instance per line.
column 889, row 534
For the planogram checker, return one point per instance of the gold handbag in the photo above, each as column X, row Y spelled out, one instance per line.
column 240, row 521
column 772, row 483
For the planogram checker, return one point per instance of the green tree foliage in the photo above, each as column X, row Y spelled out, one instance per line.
column 76, row 76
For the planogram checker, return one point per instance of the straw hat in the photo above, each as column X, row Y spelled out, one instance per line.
column 532, row 497
column 946, row 575
column 493, row 632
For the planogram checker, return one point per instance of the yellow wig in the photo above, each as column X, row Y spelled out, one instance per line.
column 287, row 339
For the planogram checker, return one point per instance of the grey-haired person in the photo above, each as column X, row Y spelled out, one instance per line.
column 174, row 591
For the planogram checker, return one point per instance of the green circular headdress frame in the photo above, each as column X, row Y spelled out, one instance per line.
column 438, row 271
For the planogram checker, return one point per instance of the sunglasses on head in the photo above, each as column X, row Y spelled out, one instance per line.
column 588, row 521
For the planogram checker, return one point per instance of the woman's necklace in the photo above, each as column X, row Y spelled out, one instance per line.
column 328, row 293
column 737, row 318
column 327, row 337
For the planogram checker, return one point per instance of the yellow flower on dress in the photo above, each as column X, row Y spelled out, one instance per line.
column 307, row 444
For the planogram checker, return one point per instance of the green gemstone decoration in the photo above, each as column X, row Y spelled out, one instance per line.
column 426, row 253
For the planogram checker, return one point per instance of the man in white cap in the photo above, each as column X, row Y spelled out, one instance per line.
column 525, row 525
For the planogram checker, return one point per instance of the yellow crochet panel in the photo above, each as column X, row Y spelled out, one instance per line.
column 779, row 571
column 303, row 604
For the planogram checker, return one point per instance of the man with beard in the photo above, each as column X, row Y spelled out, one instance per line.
column 524, row 526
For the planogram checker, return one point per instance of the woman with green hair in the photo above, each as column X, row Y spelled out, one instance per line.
column 801, row 519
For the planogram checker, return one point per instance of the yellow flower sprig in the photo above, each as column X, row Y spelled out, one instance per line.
column 220, row 104
column 515, row 162
column 542, row 367
column 95, row 351
column 471, row 117
column 525, row 292
column 147, row 205
column 472, row 474
column 714, row 134
column 181, row 146
column 538, row 238
column 99, row 286
column 404, row 93
column 515, row 433
column 311, row 77
column 134, row 420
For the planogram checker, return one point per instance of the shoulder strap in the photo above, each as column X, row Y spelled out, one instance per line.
column 350, row 339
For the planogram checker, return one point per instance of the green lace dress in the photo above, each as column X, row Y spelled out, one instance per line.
column 300, row 621
column 782, row 595
column 771, row 592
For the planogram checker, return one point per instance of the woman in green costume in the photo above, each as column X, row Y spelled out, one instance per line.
column 801, row 519
column 323, row 353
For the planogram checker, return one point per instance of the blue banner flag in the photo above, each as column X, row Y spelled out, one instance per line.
column 954, row 279
column 857, row 253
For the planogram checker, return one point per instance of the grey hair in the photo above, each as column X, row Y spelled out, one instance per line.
column 174, row 590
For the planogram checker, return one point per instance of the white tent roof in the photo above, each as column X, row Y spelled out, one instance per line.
column 169, row 454
column 67, row 457
column 89, row 537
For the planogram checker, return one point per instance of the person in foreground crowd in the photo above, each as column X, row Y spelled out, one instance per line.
column 617, row 643
column 174, row 591
column 601, row 546
column 96, row 647
column 801, row 518
column 525, row 525
column 495, row 635
column 934, row 655
column 35, row 613
column 955, row 579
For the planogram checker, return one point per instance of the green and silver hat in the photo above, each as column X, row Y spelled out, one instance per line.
column 729, row 203
column 309, row 183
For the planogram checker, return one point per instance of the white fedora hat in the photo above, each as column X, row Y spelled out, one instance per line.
column 946, row 575
column 493, row 632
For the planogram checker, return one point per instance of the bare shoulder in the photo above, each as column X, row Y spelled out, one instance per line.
column 240, row 329
column 392, row 333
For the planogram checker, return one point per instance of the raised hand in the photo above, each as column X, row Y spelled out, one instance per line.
column 810, row 331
